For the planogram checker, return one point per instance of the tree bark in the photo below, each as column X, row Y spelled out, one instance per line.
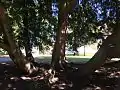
column 59, row 48
column 12, row 48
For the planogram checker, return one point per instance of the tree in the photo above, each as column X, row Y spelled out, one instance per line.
column 30, row 18
column 82, row 25
column 8, row 43
column 111, row 43
column 59, row 47
column 26, row 33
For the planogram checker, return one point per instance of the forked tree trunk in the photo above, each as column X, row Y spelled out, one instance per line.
column 12, row 48
column 22, row 62
column 59, row 48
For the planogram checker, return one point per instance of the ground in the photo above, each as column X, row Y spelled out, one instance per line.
column 106, row 78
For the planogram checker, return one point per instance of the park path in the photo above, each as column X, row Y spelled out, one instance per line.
column 5, row 58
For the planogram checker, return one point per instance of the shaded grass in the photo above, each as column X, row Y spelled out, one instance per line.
column 75, row 59
column 78, row 59
column 47, row 59
column 86, row 54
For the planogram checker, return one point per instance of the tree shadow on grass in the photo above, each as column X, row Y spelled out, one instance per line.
column 11, row 78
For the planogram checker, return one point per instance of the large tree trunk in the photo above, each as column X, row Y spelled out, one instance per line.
column 109, row 49
column 59, row 48
column 110, row 45
column 11, row 46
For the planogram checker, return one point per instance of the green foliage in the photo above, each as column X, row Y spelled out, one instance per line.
column 39, row 22
column 82, row 24
column 87, row 22
column 93, row 20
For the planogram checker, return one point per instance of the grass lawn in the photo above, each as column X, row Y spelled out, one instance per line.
column 47, row 58
column 76, row 59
